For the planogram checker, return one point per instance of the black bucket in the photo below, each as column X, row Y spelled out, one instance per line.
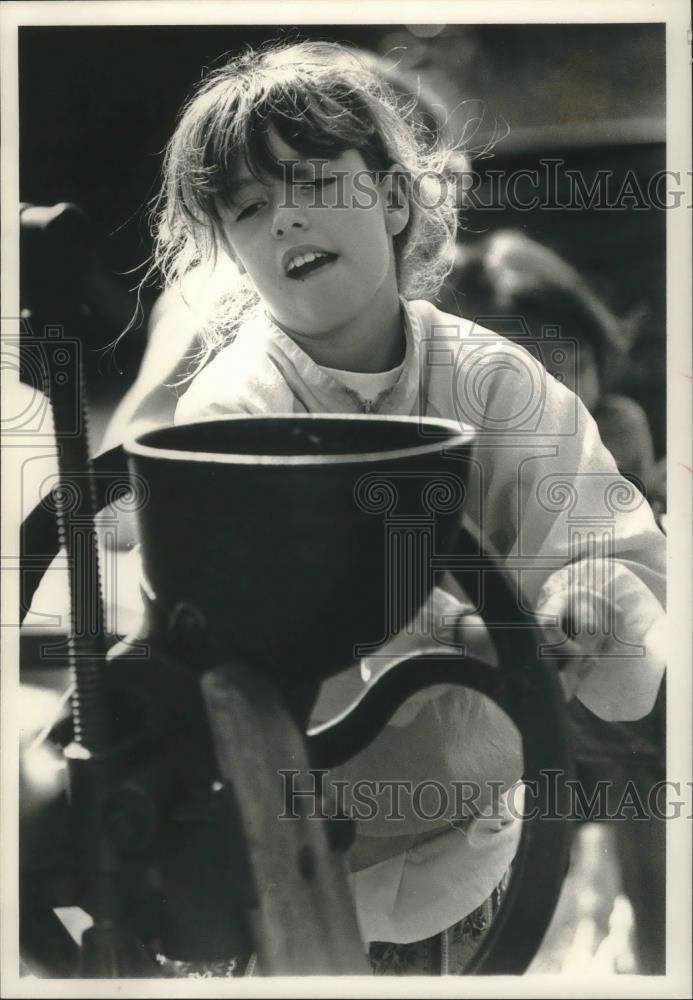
column 278, row 530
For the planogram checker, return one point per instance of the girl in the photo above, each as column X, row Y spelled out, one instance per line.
column 300, row 166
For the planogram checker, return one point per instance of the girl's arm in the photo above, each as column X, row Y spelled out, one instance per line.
column 581, row 540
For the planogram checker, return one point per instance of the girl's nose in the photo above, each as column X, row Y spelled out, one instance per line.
column 287, row 218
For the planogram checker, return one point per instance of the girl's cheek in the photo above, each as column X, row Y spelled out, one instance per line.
column 236, row 258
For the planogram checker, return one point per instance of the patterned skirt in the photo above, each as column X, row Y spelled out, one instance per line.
column 446, row 954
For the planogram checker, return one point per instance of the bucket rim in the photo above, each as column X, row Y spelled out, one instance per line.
column 451, row 434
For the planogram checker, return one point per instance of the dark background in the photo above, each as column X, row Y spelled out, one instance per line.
column 97, row 105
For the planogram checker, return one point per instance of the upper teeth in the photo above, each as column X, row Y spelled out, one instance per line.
column 304, row 258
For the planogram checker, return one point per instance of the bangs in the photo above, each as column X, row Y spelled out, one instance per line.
column 308, row 136
column 313, row 124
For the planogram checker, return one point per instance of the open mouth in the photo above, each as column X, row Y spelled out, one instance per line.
column 309, row 262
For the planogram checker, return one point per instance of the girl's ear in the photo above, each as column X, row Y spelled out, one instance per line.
column 395, row 189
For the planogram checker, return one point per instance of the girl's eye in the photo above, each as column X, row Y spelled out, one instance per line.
column 248, row 211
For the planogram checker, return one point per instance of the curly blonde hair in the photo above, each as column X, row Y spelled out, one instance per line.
column 322, row 99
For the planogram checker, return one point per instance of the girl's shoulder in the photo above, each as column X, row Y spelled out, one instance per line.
column 449, row 343
column 240, row 378
column 432, row 326
column 484, row 378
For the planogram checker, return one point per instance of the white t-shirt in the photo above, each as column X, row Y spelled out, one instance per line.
column 370, row 386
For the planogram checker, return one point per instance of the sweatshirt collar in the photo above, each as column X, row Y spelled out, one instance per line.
column 399, row 398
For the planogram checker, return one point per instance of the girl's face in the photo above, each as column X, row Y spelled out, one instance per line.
column 317, row 243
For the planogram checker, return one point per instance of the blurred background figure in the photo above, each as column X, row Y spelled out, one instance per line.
column 508, row 275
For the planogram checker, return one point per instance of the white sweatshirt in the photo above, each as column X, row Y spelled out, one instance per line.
column 546, row 495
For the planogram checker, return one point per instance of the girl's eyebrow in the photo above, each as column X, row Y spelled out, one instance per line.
column 308, row 170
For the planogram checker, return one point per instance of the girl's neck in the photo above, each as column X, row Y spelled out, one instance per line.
column 366, row 345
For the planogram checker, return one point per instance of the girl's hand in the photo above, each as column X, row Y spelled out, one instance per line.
column 579, row 634
column 611, row 639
